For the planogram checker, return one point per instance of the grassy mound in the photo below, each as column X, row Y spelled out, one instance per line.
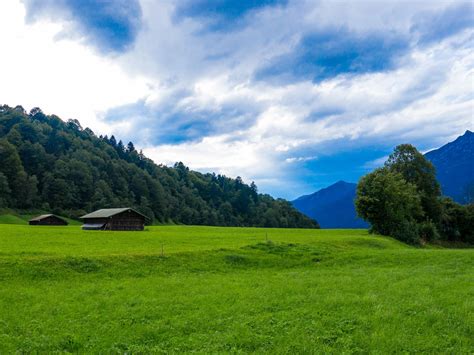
column 219, row 290
column 11, row 219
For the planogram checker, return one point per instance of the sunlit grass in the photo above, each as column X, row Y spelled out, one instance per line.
column 209, row 289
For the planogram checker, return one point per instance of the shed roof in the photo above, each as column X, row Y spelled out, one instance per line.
column 109, row 212
column 43, row 216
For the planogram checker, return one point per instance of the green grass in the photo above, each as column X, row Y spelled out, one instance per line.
column 226, row 290
column 11, row 219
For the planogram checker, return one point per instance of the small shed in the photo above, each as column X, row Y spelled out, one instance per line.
column 47, row 220
column 116, row 219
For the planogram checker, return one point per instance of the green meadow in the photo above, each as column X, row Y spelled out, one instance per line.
column 174, row 289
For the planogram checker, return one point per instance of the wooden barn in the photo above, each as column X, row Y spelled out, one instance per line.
column 115, row 219
column 47, row 220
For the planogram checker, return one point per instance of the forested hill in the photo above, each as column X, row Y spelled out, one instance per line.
column 52, row 165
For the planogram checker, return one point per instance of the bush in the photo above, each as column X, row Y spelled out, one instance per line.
column 457, row 222
column 407, row 232
column 428, row 231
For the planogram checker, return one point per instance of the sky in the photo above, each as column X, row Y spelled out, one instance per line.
column 292, row 94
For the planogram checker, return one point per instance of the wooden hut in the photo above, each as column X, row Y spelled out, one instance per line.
column 47, row 220
column 117, row 219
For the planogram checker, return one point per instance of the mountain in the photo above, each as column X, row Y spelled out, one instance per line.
column 51, row 165
column 454, row 163
column 333, row 206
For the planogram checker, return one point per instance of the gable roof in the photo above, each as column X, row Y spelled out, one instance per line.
column 43, row 216
column 110, row 212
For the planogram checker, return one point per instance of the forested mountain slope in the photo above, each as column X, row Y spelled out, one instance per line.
column 49, row 164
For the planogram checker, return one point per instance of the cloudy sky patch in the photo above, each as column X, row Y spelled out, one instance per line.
column 293, row 94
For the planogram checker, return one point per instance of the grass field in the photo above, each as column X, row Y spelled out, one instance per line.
column 204, row 289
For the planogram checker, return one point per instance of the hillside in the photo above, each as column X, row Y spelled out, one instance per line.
column 454, row 164
column 333, row 206
column 11, row 217
column 57, row 166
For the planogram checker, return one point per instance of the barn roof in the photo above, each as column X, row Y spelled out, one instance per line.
column 109, row 212
column 43, row 216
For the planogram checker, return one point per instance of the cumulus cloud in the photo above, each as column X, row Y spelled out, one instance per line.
column 221, row 14
column 62, row 77
column 299, row 159
column 110, row 25
column 333, row 51
column 432, row 26
column 408, row 97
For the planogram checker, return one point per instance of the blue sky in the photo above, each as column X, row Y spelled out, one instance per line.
column 292, row 94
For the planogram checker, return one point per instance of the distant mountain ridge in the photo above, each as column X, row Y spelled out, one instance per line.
column 454, row 164
column 333, row 206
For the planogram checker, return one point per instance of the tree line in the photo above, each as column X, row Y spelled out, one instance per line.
column 53, row 165
column 403, row 200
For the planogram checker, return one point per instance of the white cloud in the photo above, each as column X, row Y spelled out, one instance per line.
column 376, row 163
column 59, row 75
column 429, row 99
column 299, row 159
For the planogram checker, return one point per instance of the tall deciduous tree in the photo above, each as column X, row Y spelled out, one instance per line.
column 4, row 191
column 419, row 171
column 386, row 200
column 403, row 200
column 23, row 188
